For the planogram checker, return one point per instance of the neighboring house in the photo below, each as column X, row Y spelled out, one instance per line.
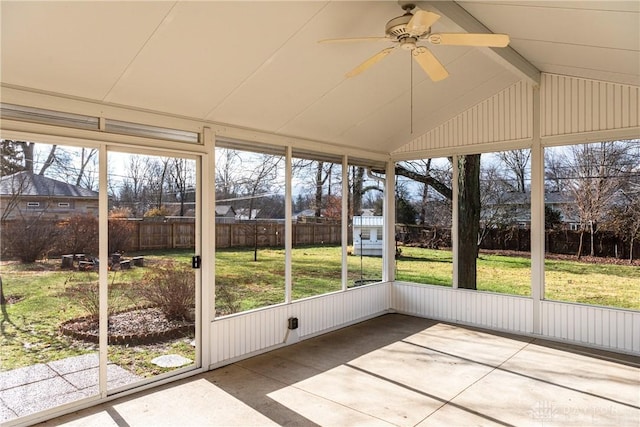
column 516, row 209
column 304, row 214
column 225, row 214
column 565, row 203
column 244, row 214
column 24, row 194
column 367, row 235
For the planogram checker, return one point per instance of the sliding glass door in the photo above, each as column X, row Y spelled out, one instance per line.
column 74, row 233
column 152, row 280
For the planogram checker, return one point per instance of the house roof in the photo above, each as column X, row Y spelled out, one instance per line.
column 257, row 65
column 223, row 210
column 28, row 184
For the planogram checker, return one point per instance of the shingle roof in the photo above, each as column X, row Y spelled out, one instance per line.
column 29, row 184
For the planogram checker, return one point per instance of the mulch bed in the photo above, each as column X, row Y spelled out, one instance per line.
column 564, row 257
column 140, row 326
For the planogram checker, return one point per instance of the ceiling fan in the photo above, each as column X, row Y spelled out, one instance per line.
column 407, row 30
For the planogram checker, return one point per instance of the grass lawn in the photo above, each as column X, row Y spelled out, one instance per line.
column 29, row 325
column 244, row 284
column 598, row 284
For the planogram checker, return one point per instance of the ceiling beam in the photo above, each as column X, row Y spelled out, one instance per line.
column 506, row 56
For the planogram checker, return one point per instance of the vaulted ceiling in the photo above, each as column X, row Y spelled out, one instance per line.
column 258, row 65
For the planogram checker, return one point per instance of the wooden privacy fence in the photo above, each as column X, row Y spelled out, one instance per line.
column 139, row 235
column 177, row 235
column 162, row 235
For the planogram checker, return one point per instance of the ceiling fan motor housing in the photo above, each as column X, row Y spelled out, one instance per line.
column 396, row 28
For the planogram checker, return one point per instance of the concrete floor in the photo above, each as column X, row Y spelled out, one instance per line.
column 395, row 370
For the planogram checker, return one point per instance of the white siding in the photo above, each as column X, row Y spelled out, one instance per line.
column 246, row 334
column 482, row 309
column 506, row 116
column 618, row 330
column 570, row 105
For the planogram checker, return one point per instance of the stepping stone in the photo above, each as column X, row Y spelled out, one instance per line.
column 171, row 361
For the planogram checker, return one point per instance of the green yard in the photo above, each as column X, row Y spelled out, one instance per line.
column 38, row 303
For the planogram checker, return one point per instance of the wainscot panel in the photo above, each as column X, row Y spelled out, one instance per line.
column 243, row 335
column 610, row 328
column 482, row 309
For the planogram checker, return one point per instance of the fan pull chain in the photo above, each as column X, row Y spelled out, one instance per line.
column 411, row 92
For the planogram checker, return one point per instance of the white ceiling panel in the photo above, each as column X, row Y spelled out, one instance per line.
column 74, row 48
column 300, row 73
column 618, row 65
column 257, row 64
column 204, row 50
column 590, row 39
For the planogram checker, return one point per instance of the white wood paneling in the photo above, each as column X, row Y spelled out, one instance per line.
column 614, row 329
column 603, row 327
column 245, row 334
column 571, row 105
column 483, row 309
column 506, row 116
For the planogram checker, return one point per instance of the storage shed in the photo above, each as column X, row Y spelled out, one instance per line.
column 367, row 235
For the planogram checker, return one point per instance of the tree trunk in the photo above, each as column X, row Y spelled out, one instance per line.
column 319, row 184
column 357, row 190
column 3, row 300
column 581, row 242
column 27, row 151
column 468, row 219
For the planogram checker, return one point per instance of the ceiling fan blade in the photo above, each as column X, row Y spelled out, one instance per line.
column 464, row 39
column 356, row 39
column 369, row 62
column 421, row 22
column 429, row 63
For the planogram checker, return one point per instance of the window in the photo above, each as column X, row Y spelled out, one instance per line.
column 366, row 184
column 64, row 205
column 423, row 222
column 33, row 205
column 504, row 264
column 250, row 240
column 592, row 229
column 317, row 225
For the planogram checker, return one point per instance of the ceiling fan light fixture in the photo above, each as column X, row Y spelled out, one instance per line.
column 408, row 43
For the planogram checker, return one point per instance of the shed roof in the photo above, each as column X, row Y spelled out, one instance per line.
column 368, row 221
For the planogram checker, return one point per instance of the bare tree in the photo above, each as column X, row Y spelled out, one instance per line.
column 434, row 208
column 262, row 179
column 133, row 188
column 598, row 172
column 517, row 162
column 499, row 199
column 183, row 177
column 228, row 171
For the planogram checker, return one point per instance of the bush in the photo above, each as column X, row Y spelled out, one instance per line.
column 78, row 234
column 28, row 239
column 171, row 288
column 120, row 231
column 87, row 296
